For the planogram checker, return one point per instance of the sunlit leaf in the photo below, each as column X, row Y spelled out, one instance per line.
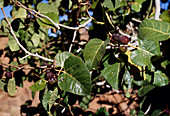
column 14, row 63
column 111, row 73
column 39, row 85
column 21, row 13
column 142, row 56
column 160, row 79
column 53, row 97
column 45, row 100
column 112, row 7
column 11, row 87
column 13, row 44
column 35, row 39
column 46, row 23
column 76, row 78
column 46, row 8
column 154, row 30
column 94, row 51
column 61, row 57
column 2, row 84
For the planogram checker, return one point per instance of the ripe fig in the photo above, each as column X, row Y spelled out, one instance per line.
column 8, row 75
column 115, row 37
column 124, row 39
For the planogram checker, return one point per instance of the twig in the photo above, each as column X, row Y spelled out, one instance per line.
column 74, row 36
column 133, row 19
column 157, row 12
column 149, row 107
column 122, row 33
column 22, row 47
column 32, row 10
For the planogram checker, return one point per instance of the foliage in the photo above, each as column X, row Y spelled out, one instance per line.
column 143, row 67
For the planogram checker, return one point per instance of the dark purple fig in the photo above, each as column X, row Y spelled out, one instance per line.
column 8, row 75
column 115, row 37
column 124, row 39
column 50, row 75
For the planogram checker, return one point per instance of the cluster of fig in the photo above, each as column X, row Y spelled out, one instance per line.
column 50, row 74
column 122, row 40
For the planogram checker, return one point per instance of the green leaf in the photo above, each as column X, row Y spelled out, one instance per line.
column 35, row 39
column 144, row 90
column 111, row 73
column 13, row 44
column 47, row 8
column 165, row 16
column 94, row 51
column 53, row 97
column 112, row 7
column 39, row 85
column 11, row 87
column 21, row 13
column 76, row 78
column 1, row 3
column 142, row 56
column 45, row 99
column 154, row 30
column 15, row 63
column 156, row 112
column 160, row 79
column 2, row 84
column 61, row 57
column 46, row 23
column 4, row 24
column 136, row 6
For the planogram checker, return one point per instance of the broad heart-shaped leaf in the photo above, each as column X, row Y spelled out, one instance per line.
column 13, row 44
column 154, row 30
column 76, row 78
column 112, row 7
column 61, row 57
column 21, row 13
column 53, row 97
column 142, row 56
column 46, row 23
column 11, row 87
column 39, row 85
column 144, row 90
column 35, row 39
column 46, row 8
column 111, row 73
column 136, row 6
column 94, row 51
column 45, row 99
column 160, row 79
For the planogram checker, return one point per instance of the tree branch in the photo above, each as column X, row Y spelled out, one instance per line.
column 22, row 47
column 157, row 12
column 32, row 10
